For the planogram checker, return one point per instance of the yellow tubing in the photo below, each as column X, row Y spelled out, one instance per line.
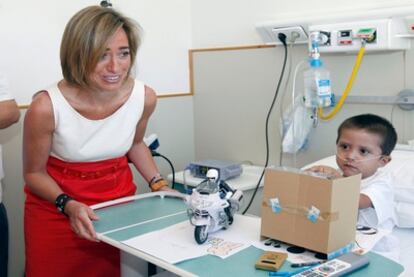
column 347, row 89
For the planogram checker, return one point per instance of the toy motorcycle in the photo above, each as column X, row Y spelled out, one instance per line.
column 212, row 205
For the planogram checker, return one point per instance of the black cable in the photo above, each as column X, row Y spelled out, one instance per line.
column 156, row 154
column 282, row 38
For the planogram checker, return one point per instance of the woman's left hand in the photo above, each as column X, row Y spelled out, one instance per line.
column 81, row 217
column 167, row 188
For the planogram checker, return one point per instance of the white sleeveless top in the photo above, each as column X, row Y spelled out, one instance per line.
column 78, row 139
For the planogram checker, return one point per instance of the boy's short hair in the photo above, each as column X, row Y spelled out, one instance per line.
column 373, row 124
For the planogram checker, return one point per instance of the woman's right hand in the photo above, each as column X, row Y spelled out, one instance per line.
column 81, row 217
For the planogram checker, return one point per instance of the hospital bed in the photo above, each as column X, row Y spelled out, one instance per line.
column 401, row 169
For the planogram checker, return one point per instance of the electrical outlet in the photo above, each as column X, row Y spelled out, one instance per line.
column 294, row 34
column 409, row 21
column 404, row 96
column 380, row 35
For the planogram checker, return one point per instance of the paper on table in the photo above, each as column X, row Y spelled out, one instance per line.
column 176, row 243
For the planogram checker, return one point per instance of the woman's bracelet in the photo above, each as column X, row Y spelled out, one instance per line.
column 157, row 185
column 154, row 179
column 61, row 202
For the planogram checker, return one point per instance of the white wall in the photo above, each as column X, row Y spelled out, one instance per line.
column 31, row 32
column 30, row 35
column 232, row 22
column 243, row 84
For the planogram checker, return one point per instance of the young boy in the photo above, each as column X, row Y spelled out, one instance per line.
column 363, row 146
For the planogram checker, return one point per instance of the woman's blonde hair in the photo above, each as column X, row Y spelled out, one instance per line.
column 85, row 38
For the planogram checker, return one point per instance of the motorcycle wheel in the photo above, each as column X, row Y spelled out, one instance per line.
column 201, row 234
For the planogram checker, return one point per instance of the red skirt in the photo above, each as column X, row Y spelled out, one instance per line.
column 52, row 248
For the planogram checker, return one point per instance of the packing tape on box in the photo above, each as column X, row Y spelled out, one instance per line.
column 312, row 213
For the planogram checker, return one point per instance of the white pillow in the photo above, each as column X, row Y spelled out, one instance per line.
column 405, row 214
column 402, row 172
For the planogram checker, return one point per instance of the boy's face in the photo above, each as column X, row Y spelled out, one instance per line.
column 359, row 151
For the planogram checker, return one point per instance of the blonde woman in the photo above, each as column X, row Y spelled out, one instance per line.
column 78, row 137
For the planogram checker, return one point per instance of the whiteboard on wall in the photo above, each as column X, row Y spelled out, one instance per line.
column 31, row 32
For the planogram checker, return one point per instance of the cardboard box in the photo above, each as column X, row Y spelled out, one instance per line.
column 308, row 211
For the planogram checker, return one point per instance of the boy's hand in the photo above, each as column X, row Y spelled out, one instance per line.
column 328, row 171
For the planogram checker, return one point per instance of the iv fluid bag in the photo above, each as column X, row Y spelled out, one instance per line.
column 317, row 87
column 297, row 124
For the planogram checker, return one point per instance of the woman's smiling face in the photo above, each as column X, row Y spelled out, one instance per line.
column 112, row 69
